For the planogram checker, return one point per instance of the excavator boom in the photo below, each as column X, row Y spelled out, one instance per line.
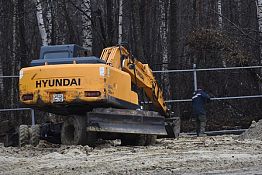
column 141, row 74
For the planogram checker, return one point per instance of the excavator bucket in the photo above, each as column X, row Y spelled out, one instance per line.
column 126, row 121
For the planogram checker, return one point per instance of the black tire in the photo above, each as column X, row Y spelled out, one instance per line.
column 133, row 140
column 35, row 135
column 151, row 139
column 74, row 132
column 173, row 128
column 23, row 135
column 91, row 138
column 177, row 126
column 126, row 140
column 140, row 140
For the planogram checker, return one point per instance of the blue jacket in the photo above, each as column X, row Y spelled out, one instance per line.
column 198, row 100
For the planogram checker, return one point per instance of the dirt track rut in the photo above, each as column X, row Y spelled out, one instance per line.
column 186, row 155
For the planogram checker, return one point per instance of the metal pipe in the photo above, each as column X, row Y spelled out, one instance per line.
column 208, row 69
column 33, row 116
column 239, row 97
column 221, row 132
column 217, row 98
column 195, row 77
column 185, row 70
column 10, row 76
column 14, row 109
column 22, row 109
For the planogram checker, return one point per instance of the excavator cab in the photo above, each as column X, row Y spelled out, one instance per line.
column 65, row 54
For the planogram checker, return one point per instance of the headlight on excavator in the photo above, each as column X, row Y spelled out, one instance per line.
column 92, row 93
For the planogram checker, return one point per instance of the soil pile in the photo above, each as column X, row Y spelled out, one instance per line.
column 253, row 132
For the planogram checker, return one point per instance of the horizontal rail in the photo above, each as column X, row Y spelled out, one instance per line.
column 207, row 69
column 185, row 70
column 10, row 76
column 217, row 98
column 221, row 132
column 15, row 109
column 22, row 109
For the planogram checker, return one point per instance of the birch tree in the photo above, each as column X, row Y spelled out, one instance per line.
column 219, row 9
column 120, row 22
column 259, row 14
column 164, row 11
column 220, row 22
column 49, row 21
column 87, row 25
column 40, row 20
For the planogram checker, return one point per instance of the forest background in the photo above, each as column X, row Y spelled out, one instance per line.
column 166, row 34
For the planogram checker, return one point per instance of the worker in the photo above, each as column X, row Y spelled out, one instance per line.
column 199, row 99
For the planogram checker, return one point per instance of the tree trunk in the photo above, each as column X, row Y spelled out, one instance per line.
column 14, row 56
column 1, row 79
column 49, row 16
column 40, row 20
column 109, row 22
column 259, row 19
column 164, row 11
column 120, row 22
column 137, row 38
column 86, row 25
column 219, row 10
column 69, row 23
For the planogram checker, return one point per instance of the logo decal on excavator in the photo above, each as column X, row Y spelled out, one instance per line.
column 57, row 82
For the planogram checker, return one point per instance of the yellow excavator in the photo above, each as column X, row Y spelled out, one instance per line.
column 97, row 96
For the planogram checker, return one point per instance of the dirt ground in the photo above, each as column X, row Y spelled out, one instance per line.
column 185, row 155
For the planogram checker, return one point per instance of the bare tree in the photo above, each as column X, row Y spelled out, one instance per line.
column 14, row 55
column 40, row 20
column 49, row 21
column 87, row 25
column 259, row 19
column 120, row 22
column 219, row 10
column 164, row 11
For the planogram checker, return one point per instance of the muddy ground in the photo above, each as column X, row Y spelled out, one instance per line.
column 186, row 155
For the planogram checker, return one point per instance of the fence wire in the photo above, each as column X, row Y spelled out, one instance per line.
column 194, row 70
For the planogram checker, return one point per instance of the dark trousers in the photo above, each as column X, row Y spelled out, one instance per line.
column 200, row 124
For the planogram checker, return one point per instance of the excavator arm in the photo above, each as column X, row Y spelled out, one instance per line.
column 141, row 74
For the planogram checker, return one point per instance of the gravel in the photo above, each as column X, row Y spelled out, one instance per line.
column 185, row 155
